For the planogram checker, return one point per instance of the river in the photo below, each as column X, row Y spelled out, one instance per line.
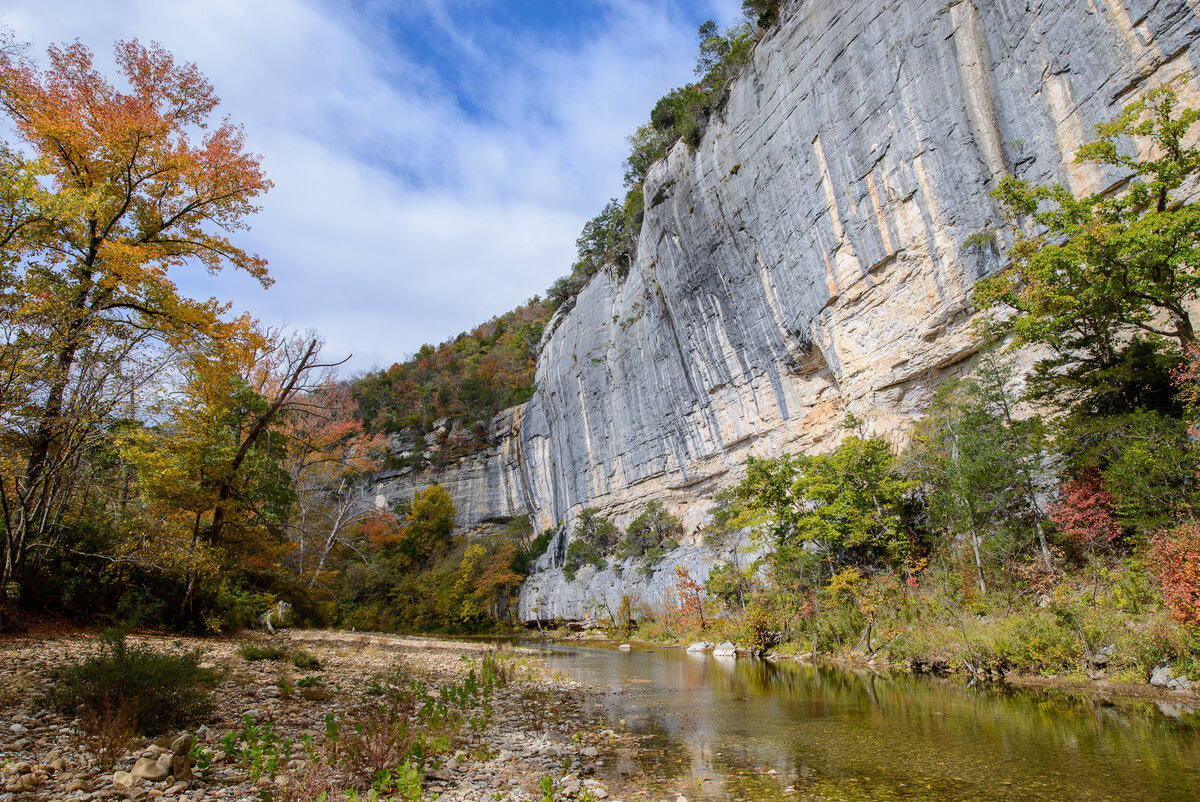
column 737, row 729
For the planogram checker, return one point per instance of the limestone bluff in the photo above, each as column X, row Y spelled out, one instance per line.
column 806, row 260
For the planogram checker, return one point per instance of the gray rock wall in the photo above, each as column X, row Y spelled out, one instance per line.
column 807, row 261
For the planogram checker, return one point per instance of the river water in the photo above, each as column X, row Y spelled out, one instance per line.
column 726, row 729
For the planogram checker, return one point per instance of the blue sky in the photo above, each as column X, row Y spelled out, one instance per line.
column 433, row 161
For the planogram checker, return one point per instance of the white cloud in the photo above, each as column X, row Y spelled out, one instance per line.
column 398, row 217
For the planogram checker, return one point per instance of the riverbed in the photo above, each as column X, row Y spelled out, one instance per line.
column 726, row 729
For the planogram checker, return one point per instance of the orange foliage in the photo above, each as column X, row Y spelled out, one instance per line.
column 691, row 597
column 1176, row 553
column 381, row 528
column 131, row 185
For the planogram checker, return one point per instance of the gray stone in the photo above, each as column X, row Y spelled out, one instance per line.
column 148, row 769
column 124, row 779
column 183, row 744
column 700, row 646
column 1161, row 677
column 725, row 649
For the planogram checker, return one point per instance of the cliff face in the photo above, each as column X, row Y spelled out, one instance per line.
column 807, row 259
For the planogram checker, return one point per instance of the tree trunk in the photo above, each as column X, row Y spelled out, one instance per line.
column 978, row 563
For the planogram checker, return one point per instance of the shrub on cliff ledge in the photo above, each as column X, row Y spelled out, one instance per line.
column 651, row 535
column 593, row 538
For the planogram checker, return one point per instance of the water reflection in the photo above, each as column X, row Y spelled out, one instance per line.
column 720, row 728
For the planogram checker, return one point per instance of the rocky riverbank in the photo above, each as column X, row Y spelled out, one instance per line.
column 534, row 729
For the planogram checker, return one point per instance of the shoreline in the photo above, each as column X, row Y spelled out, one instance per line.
column 535, row 726
column 1093, row 688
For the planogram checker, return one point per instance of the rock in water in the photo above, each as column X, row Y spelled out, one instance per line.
column 725, row 649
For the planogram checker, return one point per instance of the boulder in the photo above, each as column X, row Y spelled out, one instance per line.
column 700, row 646
column 1161, row 676
column 148, row 769
column 183, row 744
column 725, row 649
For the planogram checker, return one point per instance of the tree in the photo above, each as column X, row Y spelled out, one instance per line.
column 980, row 465
column 430, row 525
column 1104, row 262
column 848, row 505
column 762, row 13
column 1084, row 512
column 330, row 461
column 125, row 195
column 594, row 537
column 212, row 474
column 650, row 535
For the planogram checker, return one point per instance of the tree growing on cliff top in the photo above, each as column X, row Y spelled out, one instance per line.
column 124, row 188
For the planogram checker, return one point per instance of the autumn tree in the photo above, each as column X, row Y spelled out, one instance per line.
column 212, row 474
column 120, row 190
column 486, row 582
column 331, row 462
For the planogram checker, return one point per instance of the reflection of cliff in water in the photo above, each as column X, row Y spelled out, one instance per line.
column 714, row 729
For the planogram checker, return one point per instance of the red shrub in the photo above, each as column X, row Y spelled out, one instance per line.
column 1176, row 554
column 1083, row 511
column 691, row 598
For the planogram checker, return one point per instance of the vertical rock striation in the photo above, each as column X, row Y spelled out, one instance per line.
column 807, row 260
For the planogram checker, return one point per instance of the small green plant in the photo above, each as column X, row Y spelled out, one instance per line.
column 252, row 652
column 305, row 661
column 258, row 749
column 201, row 758
column 310, row 681
column 285, row 687
column 333, row 735
column 547, row 789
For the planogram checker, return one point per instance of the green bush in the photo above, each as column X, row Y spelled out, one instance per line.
column 305, row 660
column 593, row 538
column 1039, row 642
column 164, row 691
column 255, row 651
column 651, row 535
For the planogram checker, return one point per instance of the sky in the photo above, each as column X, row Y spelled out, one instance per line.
column 433, row 161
